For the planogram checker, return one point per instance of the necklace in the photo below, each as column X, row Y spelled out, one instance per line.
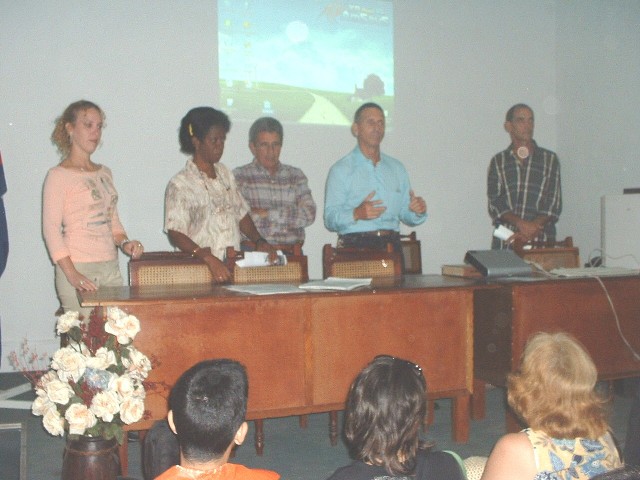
column 219, row 193
column 218, row 177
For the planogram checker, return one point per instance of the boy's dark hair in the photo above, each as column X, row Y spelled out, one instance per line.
column 385, row 409
column 209, row 404
column 197, row 123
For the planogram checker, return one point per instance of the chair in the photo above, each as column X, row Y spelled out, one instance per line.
column 295, row 270
column 360, row 263
column 550, row 255
column 286, row 248
column 411, row 252
column 167, row 268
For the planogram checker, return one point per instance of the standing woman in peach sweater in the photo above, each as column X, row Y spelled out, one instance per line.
column 80, row 220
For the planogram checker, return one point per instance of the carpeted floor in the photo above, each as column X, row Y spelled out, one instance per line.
column 295, row 453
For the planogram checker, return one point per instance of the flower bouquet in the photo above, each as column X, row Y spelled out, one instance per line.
column 95, row 384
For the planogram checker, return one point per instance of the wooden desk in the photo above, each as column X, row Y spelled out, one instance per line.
column 303, row 350
column 506, row 317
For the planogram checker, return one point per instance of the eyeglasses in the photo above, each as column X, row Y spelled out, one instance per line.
column 414, row 366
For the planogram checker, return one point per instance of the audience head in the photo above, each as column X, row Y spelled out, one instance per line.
column 61, row 137
column 207, row 409
column 197, row 123
column 553, row 391
column 386, row 406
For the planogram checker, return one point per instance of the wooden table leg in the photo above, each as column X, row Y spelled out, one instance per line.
column 478, row 400
column 460, row 418
column 430, row 412
column 303, row 420
column 259, row 436
column 333, row 428
column 123, row 450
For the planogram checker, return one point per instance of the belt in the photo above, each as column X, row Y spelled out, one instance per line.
column 372, row 233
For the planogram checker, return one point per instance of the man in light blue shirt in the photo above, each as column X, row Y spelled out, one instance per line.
column 368, row 193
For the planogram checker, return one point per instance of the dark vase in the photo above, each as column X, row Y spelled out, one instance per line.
column 90, row 458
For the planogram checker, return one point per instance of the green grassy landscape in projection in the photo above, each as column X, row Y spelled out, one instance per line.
column 293, row 104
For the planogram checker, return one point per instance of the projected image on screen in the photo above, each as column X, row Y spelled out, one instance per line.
column 304, row 61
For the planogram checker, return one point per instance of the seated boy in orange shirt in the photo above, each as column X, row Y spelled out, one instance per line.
column 208, row 405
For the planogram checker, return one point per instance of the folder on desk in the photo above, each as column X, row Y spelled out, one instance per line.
column 498, row 263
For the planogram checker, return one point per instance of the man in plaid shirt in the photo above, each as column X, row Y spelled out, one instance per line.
column 279, row 195
column 523, row 184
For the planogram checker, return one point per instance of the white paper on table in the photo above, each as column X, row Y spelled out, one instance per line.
column 265, row 288
column 333, row 283
column 260, row 259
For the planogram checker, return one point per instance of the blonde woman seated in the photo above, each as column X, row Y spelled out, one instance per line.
column 568, row 435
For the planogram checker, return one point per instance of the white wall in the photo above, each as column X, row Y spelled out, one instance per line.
column 598, row 67
column 460, row 65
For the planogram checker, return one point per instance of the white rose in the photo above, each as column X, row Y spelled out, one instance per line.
column 53, row 422
column 138, row 365
column 69, row 364
column 124, row 327
column 123, row 385
column 131, row 410
column 58, row 392
column 50, row 376
column 105, row 405
column 80, row 418
column 67, row 321
column 140, row 392
column 41, row 405
column 102, row 360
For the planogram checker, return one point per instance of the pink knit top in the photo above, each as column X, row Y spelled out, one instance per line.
column 79, row 215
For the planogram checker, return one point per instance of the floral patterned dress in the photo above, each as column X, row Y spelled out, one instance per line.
column 570, row 459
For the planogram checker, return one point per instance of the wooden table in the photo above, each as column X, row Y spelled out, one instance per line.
column 303, row 350
column 506, row 317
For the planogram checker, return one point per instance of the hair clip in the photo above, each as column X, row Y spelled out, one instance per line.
column 190, row 130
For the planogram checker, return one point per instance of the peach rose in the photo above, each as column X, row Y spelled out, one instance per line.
column 50, row 376
column 131, row 409
column 53, row 422
column 124, row 327
column 41, row 405
column 105, row 405
column 69, row 363
column 138, row 365
column 58, row 391
column 123, row 385
column 80, row 418
column 102, row 360
column 67, row 321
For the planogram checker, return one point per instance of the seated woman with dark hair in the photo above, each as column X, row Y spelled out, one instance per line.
column 568, row 435
column 385, row 410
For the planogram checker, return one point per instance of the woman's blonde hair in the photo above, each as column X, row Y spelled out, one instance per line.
column 60, row 136
column 553, row 391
